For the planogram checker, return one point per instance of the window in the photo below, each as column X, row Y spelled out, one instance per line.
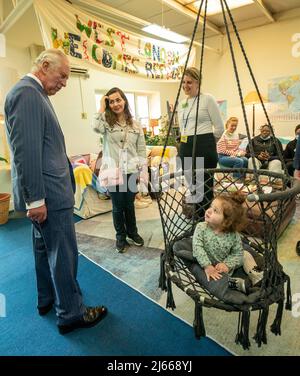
column 142, row 104
column 138, row 105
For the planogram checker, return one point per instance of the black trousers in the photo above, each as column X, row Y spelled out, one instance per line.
column 123, row 211
column 206, row 148
column 290, row 167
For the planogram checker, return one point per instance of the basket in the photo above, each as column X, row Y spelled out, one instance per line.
column 4, row 207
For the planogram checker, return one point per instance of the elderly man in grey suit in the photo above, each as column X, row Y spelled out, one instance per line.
column 43, row 185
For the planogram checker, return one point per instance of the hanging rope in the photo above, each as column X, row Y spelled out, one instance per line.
column 199, row 94
column 178, row 226
column 181, row 81
column 241, row 97
column 255, row 84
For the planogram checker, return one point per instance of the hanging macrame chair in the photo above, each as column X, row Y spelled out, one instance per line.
column 179, row 219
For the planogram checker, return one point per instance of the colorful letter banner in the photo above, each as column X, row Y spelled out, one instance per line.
column 87, row 40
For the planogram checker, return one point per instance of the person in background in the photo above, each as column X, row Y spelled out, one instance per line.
column 123, row 146
column 289, row 152
column 228, row 148
column 209, row 127
column 265, row 151
column 44, row 186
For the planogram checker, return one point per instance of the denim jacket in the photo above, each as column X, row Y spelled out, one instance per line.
column 123, row 146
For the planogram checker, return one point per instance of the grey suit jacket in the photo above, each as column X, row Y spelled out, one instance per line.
column 40, row 167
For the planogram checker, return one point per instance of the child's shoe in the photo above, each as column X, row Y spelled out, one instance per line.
column 255, row 275
column 239, row 284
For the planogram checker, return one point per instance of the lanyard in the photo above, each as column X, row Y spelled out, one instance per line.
column 187, row 118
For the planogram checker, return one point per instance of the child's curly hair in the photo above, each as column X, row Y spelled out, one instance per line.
column 235, row 218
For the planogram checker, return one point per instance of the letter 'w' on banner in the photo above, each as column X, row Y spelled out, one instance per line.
column 2, row 45
column 2, row 306
column 88, row 40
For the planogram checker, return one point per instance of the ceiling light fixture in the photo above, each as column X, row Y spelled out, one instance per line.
column 164, row 33
column 214, row 6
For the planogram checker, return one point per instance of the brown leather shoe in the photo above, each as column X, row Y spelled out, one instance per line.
column 91, row 317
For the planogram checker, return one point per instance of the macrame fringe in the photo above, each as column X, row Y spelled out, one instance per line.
column 242, row 336
column 276, row 326
column 288, row 304
column 261, row 334
column 198, row 321
column 162, row 276
column 170, row 299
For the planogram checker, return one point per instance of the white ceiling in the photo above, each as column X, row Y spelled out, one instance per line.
column 25, row 30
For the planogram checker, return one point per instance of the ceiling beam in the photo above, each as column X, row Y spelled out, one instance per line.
column 96, row 6
column 264, row 9
column 14, row 15
column 100, row 7
column 184, row 10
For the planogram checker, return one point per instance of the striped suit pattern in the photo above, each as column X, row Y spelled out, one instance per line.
column 41, row 170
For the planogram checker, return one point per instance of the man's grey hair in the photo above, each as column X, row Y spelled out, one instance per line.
column 52, row 56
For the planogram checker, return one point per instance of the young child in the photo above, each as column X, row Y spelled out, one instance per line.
column 217, row 245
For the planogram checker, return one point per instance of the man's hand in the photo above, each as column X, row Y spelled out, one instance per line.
column 222, row 268
column 263, row 156
column 212, row 273
column 297, row 174
column 38, row 214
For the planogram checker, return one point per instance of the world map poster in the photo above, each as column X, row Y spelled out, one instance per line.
column 284, row 98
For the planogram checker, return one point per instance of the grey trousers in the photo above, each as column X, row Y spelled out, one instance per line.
column 56, row 262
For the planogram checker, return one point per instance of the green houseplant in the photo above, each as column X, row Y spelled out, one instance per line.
column 160, row 139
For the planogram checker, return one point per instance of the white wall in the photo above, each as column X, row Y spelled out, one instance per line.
column 68, row 102
column 79, row 135
column 269, row 50
column 12, row 67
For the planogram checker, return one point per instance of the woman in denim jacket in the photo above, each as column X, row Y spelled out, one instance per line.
column 124, row 147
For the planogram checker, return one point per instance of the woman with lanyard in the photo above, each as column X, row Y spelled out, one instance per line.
column 124, row 146
column 209, row 126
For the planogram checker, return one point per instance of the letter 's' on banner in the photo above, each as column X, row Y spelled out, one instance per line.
column 87, row 40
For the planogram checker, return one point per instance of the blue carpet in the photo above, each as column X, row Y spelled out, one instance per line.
column 134, row 325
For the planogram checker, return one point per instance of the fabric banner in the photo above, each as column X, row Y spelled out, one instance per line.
column 87, row 40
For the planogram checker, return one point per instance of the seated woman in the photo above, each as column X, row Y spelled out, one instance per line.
column 228, row 148
column 289, row 152
column 265, row 151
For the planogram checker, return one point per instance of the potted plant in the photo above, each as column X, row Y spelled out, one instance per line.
column 4, row 202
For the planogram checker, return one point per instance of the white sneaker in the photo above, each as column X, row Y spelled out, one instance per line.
column 255, row 275
column 238, row 284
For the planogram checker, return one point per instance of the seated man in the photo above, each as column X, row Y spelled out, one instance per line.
column 289, row 152
column 265, row 151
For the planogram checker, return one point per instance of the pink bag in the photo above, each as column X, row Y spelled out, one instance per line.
column 111, row 177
